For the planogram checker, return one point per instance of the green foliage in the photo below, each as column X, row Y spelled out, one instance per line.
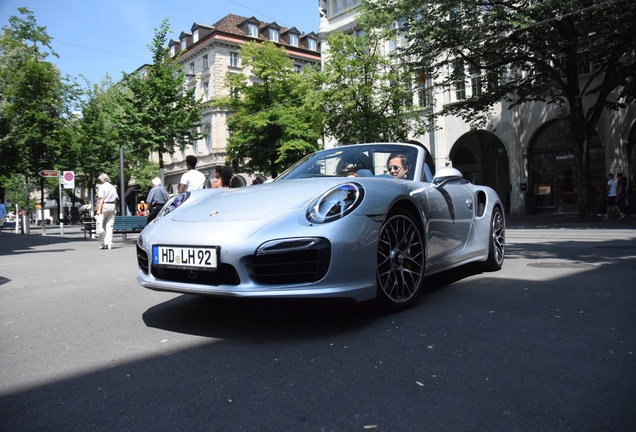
column 275, row 120
column 98, row 138
column 143, row 173
column 159, row 114
column 34, row 110
column 35, row 117
column 366, row 95
column 528, row 51
column 14, row 190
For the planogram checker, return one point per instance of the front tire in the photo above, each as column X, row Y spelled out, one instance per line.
column 496, row 241
column 400, row 259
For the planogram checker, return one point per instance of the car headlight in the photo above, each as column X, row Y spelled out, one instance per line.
column 172, row 204
column 335, row 203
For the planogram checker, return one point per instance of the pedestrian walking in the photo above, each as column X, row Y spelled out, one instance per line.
column 156, row 198
column 3, row 215
column 106, row 209
column 611, row 191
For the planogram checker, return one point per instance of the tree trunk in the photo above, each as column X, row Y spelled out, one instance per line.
column 162, row 170
column 581, row 143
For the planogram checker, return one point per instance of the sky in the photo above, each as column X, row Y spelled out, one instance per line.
column 98, row 37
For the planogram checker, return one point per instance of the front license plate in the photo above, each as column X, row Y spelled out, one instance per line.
column 185, row 257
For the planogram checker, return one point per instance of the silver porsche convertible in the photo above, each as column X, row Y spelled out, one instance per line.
column 366, row 221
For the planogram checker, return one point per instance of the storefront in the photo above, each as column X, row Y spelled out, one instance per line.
column 552, row 168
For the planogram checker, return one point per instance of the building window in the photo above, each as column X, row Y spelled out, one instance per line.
column 208, row 137
column 393, row 43
column 183, row 44
column 311, row 44
column 460, row 80
column 191, row 68
column 172, row 51
column 422, row 95
column 339, row 6
column 195, row 36
column 252, row 30
column 298, row 68
column 206, row 90
column 273, row 35
column 235, row 59
column 206, row 62
column 293, row 39
column 476, row 86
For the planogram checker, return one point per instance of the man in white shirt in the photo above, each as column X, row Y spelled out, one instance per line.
column 192, row 179
column 106, row 210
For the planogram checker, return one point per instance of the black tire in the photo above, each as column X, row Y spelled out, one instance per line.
column 496, row 241
column 401, row 260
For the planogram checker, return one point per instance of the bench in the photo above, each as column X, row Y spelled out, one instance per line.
column 129, row 224
column 123, row 225
column 9, row 225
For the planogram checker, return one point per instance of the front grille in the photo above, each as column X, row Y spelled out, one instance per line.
column 292, row 267
column 225, row 275
column 142, row 259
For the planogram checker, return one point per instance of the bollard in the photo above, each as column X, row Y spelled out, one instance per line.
column 26, row 225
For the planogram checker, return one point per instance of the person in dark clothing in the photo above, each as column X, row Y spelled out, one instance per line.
column 157, row 197
column 621, row 193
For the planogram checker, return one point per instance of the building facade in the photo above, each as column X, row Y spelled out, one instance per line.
column 208, row 54
column 525, row 153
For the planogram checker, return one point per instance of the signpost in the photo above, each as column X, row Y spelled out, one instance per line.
column 48, row 173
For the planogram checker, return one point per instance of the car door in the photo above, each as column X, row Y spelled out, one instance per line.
column 450, row 215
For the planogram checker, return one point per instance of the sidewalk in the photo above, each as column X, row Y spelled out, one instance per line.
column 566, row 220
column 543, row 220
column 11, row 241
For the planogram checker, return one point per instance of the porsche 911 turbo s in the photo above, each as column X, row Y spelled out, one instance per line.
column 365, row 221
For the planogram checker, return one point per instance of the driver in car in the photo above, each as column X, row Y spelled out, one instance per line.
column 397, row 166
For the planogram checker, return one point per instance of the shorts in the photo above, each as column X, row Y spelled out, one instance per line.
column 611, row 201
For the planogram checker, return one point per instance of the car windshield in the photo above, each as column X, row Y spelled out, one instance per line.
column 356, row 160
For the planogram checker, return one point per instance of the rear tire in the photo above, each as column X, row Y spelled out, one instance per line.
column 400, row 260
column 496, row 241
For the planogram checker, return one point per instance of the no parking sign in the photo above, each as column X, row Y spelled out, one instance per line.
column 68, row 180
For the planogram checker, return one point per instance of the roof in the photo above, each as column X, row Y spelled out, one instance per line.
column 233, row 24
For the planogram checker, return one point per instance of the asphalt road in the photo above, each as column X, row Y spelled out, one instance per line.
column 546, row 344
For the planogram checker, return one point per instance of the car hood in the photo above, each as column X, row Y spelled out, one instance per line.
column 252, row 202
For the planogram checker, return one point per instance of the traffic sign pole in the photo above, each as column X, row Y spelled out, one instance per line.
column 59, row 185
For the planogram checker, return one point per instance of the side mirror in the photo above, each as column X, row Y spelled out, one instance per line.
column 446, row 174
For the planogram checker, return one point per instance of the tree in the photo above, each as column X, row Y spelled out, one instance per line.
column 367, row 95
column 525, row 51
column 97, row 149
column 34, row 110
column 159, row 114
column 275, row 120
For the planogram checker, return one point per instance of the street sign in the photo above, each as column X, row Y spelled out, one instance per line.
column 48, row 173
column 68, row 179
